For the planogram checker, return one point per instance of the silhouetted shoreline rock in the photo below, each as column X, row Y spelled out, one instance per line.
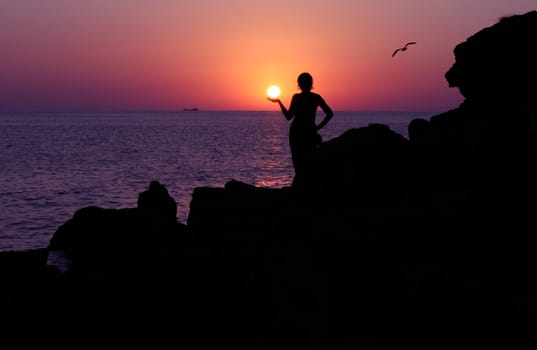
column 386, row 242
column 488, row 145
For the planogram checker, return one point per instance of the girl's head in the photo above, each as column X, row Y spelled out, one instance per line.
column 305, row 82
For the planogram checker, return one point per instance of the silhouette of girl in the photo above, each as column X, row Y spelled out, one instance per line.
column 303, row 136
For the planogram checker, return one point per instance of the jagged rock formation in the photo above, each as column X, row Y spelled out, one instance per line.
column 485, row 150
column 447, row 214
column 99, row 237
column 363, row 165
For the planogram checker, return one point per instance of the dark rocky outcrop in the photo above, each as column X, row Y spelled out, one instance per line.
column 441, row 222
column 387, row 242
column 486, row 149
column 103, row 237
column 496, row 66
column 363, row 165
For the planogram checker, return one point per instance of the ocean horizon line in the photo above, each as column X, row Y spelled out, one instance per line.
column 187, row 110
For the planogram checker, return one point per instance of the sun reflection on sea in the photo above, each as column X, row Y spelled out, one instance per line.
column 276, row 181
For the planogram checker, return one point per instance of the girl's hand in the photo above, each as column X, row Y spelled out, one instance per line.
column 276, row 100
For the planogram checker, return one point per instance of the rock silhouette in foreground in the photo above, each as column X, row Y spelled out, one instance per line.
column 103, row 237
column 485, row 150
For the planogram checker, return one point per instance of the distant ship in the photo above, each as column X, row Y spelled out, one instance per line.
column 191, row 109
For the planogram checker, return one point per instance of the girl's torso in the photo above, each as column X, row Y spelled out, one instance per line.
column 304, row 106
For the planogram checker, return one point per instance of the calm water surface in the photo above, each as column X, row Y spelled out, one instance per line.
column 52, row 164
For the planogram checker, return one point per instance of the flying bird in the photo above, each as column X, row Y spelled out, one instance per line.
column 403, row 48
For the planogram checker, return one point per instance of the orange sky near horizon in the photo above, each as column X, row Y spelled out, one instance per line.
column 165, row 55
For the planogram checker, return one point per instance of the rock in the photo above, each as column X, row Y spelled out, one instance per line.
column 99, row 237
column 363, row 165
column 486, row 149
column 23, row 264
column 423, row 239
column 496, row 66
column 156, row 204
column 237, row 209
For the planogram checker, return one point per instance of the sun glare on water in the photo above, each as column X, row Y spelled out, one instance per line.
column 273, row 91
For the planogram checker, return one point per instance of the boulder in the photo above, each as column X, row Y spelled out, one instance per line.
column 101, row 237
column 156, row 204
column 363, row 165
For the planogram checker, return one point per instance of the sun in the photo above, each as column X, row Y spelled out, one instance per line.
column 273, row 91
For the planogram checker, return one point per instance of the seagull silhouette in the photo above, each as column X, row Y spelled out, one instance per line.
column 403, row 48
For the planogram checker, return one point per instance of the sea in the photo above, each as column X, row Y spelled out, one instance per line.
column 52, row 164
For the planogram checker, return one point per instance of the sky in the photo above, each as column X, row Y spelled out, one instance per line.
column 89, row 55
